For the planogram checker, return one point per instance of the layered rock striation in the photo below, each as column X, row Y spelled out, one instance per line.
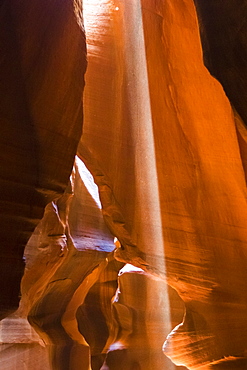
column 174, row 191
column 164, row 139
column 42, row 76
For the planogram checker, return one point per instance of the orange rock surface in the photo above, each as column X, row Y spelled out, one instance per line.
column 174, row 191
column 42, row 76
column 165, row 142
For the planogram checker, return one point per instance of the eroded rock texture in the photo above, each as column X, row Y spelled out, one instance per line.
column 165, row 141
column 42, row 69
column 172, row 133
column 88, row 313
column 20, row 347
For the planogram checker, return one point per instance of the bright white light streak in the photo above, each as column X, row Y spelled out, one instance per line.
column 141, row 116
column 149, row 229
column 88, row 181
column 95, row 17
column 150, row 222
column 130, row 268
column 91, row 15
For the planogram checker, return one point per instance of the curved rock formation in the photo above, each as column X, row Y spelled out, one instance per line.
column 42, row 76
column 141, row 329
column 172, row 133
column 69, row 295
column 169, row 156
column 58, row 277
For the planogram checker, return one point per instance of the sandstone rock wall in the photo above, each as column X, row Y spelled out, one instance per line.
column 174, row 188
column 165, row 141
column 42, row 76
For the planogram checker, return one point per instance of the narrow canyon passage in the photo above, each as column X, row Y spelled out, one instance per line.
column 174, row 167
column 139, row 261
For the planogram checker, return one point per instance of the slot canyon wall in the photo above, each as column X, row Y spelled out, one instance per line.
column 128, row 194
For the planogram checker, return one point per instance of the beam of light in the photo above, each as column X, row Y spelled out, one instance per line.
column 88, row 181
column 149, row 226
column 148, row 222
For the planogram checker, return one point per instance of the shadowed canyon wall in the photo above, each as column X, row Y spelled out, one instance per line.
column 147, row 269
column 42, row 71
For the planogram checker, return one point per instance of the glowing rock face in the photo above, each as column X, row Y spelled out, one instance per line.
column 174, row 187
column 169, row 158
